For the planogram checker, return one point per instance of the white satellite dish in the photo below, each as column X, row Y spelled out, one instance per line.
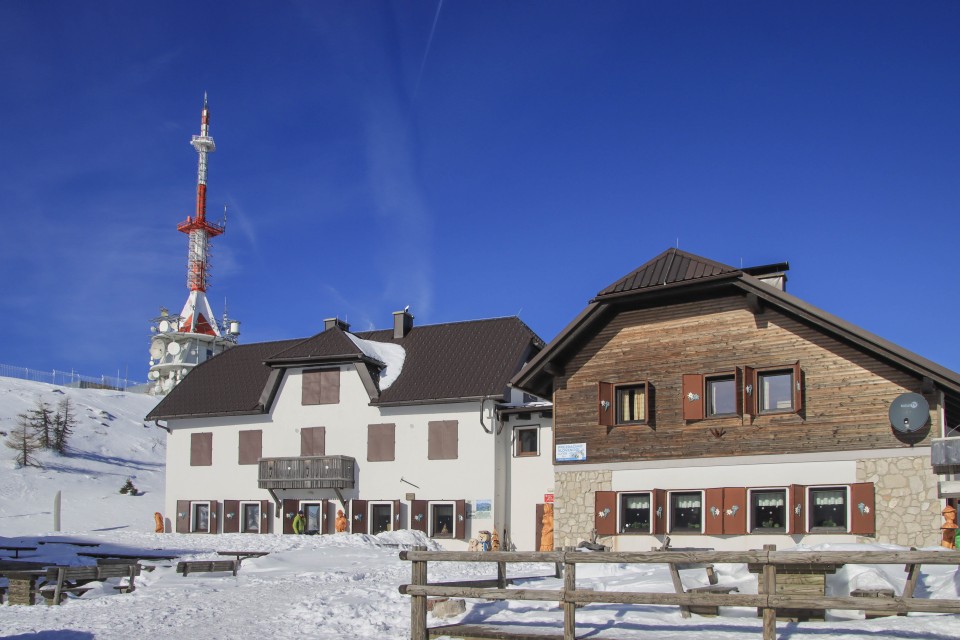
column 156, row 349
column 173, row 348
column 164, row 326
column 153, row 375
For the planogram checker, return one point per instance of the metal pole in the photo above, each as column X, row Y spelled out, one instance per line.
column 56, row 512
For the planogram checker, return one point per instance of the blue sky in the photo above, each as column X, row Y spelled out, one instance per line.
column 516, row 162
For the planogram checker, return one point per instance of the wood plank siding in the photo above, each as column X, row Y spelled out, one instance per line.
column 844, row 403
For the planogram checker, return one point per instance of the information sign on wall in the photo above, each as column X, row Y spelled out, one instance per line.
column 572, row 452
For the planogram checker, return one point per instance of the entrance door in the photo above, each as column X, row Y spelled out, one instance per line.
column 314, row 513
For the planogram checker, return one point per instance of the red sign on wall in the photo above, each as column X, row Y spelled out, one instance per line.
column 548, row 498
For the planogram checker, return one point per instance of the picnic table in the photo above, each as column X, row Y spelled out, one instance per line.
column 70, row 542
column 798, row 580
column 243, row 555
column 126, row 556
column 17, row 549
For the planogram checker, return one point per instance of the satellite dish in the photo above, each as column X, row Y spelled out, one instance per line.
column 164, row 326
column 156, row 349
column 909, row 412
column 153, row 375
column 173, row 348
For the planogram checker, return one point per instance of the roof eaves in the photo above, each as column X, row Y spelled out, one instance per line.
column 422, row 401
column 670, row 286
column 306, row 361
column 213, row 414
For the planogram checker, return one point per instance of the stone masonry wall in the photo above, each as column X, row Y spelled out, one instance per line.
column 573, row 504
column 907, row 506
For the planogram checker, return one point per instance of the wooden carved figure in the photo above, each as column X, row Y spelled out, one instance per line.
column 949, row 529
column 341, row 522
column 546, row 534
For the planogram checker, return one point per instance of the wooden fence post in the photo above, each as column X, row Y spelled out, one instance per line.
column 569, row 605
column 418, row 604
column 768, row 587
column 501, row 575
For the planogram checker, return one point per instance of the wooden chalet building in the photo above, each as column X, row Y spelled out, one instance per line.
column 701, row 401
column 413, row 427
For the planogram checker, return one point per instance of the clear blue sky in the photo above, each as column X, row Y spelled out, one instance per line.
column 522, row 159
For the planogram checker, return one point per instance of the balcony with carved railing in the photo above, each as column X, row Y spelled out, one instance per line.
column 945, row 459
column 315, row 472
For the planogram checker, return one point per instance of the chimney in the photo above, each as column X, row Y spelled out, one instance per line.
column 773, row 274
column 330, row 323
column 402, row 323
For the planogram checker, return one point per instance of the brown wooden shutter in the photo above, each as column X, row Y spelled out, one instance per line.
column 251, row 446
column 737, row 386
column 231, row 516
column 324, row 521
column 358, row 517
column 214, row 516
column 750, row 392
column 460, row 520
column 183, row 516
column 735, row 519
column 692, row 399
column 201, row 449
column 650, row 404
column 313, row 441
column 381, row 442
column 797, row 516
column 290, row 508
column 330, row 386
column 442, row 440
column 310, row 392
column 862, row 509
column 266, row 516
column 605, row 512
column 713, row 504
column 606, row 393
column 658, row 511
column 397, row 524
column 797, row 388
column 538, row 528
column 418, row 515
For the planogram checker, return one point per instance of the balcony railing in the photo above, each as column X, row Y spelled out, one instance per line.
column 316, row 472
column 945, row 455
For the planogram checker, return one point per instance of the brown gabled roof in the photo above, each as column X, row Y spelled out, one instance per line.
column 443, row 363
column 230, row 383
column 685, row 275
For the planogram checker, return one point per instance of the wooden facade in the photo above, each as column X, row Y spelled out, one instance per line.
column 842, row 404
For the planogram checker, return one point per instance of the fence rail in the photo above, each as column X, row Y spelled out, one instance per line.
column 767, row 562
column 71, row 379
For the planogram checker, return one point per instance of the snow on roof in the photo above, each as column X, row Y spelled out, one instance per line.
column 391, row 355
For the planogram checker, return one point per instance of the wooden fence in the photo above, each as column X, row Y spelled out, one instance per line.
column 767, row 562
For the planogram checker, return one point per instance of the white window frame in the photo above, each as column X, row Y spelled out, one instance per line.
column 786, row 506
column 453, row 509
column 669, row 506
column 653, row 514
column 301, row 506
column 516, row 440
column 381, row 503
column 243, row 519
column 809, row 515
column 193, row 512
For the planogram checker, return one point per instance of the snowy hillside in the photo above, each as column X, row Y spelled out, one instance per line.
column 111, row 442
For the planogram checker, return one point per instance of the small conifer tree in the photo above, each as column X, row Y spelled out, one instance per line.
column 41, row 419
column 64, row 421
column 23, row 441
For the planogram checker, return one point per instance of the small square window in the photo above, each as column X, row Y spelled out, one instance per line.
column 768, row 511
column 776, row 391
column 635, row 513
column 721, row 396
column 828, row 509
column 441, row 520
column 631, row 404
column 686, row 512
column 527, row 441
column 251, row 517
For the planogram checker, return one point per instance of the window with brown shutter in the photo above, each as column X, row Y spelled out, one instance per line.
column 442, row 440
column 251, row 446
column 201, row 449
column 381, row 442
column 625, row 404
column 321, row 386
column 605, row 512
column 862, row 509
column 313, row 441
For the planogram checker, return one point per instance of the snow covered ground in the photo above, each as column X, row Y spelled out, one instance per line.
column 335, row 586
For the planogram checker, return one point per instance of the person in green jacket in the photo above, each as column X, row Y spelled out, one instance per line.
column 299, row 522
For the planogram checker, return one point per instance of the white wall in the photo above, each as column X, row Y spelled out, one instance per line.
column 528, row 480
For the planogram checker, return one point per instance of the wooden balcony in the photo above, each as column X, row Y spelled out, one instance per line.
column 320, row 472
column 945, row 455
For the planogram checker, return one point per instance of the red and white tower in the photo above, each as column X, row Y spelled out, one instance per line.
column 182, row 342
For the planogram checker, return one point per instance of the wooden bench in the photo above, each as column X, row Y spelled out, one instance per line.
column 798, row 580
column 243, row 555
column 207, row 566
column 17, row 549
column 63, row 580
column 713, row 587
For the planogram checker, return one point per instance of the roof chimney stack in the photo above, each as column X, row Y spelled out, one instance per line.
column 402, row 323
column 330, row 323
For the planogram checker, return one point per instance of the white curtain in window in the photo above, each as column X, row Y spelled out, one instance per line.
column 631, row 404
column 828, row 498
column 688, row 502
column 638, row 502
column 769, row 500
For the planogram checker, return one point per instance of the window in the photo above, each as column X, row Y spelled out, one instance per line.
column 527, row 441
column 828, row 509
column 200, row 517
column 635, row 513
column 250, row 512
column 251, row 446
column 721, row 396
column 775, row 389
column 381, row 442
column 441, row 520
column 313, row 441
column 632, row 404
column 201, row 449
column 686, row 512
column 442, row 440
column 321, row 386
column 314, row 514
column 381, row 517
column 768, row 511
